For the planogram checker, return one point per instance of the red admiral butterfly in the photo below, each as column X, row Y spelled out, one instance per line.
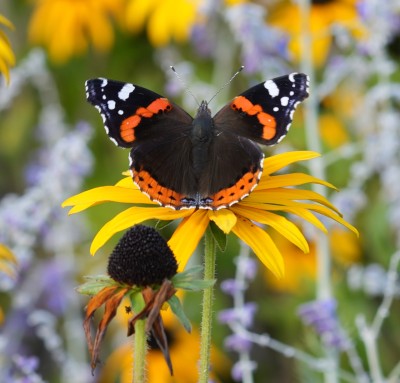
column 203, row 162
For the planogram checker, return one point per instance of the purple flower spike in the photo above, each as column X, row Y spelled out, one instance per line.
column 240, row 367
column 237, row 343
column 248, row 267
column 231, row 286
column 321, row 315
column 227, row 316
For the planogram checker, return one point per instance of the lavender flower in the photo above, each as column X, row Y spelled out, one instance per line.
column 321, row 315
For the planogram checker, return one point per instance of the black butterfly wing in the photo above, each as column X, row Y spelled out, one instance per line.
column 156, row 130
column 264, row 112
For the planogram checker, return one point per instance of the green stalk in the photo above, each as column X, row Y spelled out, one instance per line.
column 139, row 352
column 206, row 320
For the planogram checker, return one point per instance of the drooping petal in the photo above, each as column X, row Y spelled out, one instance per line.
column 262, row 245
column 225, row 219
column 279, row 161
column 130, row 217
column 110, row 311
column 187, row 236
column 95, row 302
column 279, row 223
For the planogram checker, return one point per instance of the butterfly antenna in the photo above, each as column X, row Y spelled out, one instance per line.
column 227, row 83
column 184, row 84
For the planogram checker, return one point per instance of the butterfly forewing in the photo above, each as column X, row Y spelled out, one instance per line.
column 264, row 112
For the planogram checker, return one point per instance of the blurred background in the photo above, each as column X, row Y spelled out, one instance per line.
column 302, row 328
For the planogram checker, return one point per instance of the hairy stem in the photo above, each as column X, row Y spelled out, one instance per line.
column 206, row 321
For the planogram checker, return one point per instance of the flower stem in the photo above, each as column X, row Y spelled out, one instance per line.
column 206, row 321
column 139, row 352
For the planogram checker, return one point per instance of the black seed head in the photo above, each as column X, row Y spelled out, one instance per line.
column 141, row 258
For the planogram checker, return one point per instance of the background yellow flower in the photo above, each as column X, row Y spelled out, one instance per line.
column 323, row 16
column 67, row 27
column 7, row 58
column 166, row 20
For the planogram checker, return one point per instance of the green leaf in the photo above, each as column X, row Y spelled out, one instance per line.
column 218, row 235
column 95, row 283
column 189, row 273
column 188, row 280
column 177, row 309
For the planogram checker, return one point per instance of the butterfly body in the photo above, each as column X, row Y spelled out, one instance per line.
column 203, row 162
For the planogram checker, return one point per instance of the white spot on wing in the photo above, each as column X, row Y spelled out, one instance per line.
column 104, row 82
column 111, row 104
column 291, row 76
column 272, row 88
column 126, row 90
column 276, row 109
column 284, row 101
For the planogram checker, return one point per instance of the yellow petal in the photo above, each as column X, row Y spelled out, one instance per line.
column 279, row 161
column 282, row 225
column 292, row 179
column 187, row 236
column 8, row 261
column 4, row 69
column 100, row 31
column 286, row 196
column 137, row 12
column 223, row 218
column 6, row 254
column 295, row 209
column 126, row 182
column 107, row 194
column 300, row 208
column 6, row 52
column 130, row 217
column 262, row 245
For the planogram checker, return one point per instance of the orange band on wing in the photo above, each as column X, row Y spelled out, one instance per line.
column 268, row 122
column 237, row 192
column 166, row 197
column 127, row 127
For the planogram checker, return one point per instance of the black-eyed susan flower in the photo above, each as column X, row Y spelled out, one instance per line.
column 143, row 268
column 67, row 27
column 324, row 14
column 7, row 58
column 273, row 195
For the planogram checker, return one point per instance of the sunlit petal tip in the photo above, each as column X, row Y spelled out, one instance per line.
column 279, row 161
